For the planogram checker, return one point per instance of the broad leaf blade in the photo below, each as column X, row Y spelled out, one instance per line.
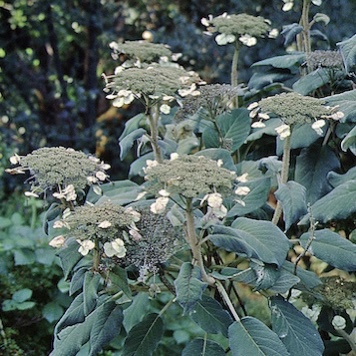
column 312, row 167
column 292, row 197
column 335, row 205
column 250, row 337
column 90, row 287
column 312, row 81
column 295, row 330
column 348, row 53
column 347, row 104
column 333, row 249
column 266, row 239
column 211, row 317
column 143, row 338
column 203, row 347
column 189, row 286
column 127, row 142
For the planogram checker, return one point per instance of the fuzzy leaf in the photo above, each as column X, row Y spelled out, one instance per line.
column 69, row 257
column 335, row 205
column 203, row 347
column 295, row 330
column 312, row 167
column 251, row 337
column 143, row 338
column 285, row 61
column 131, row 125
column 312, row 81
column 348, row 53
column 127, row 142
column 330, row 247
column 90, row 287
column 346, row 102
column 189, row 286
column 290, row 32
column 293, row 200
column 211, row 317
column 349, row 142
column 336, row 179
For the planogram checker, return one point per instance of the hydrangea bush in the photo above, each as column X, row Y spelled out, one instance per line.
column 237, row 218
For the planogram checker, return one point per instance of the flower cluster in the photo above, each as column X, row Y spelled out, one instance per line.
column 61, row 170
column 292, row 109
column 103, row 226
column 189, row 177
column 242, row 27
column 151, row 84
column 155, row 242
column 324, row 59
column 141, row 51
column 214, row 99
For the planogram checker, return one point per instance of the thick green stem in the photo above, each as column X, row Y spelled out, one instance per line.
column 284, row 175
column 348, row 338
column 227, row 300
column 153, row 118
column 193, row 242
column 234, row 74
column 303, row 39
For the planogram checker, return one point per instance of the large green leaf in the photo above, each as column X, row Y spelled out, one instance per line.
column 292, row 197
column 349, row 142
column 203, row 347
column 346, row 103
column 133, row 124
column 285, row 61
column 269, row 129
column 336, row 179
column 216, row 154
column 90, row 287
column 136, row 168
column 261, row 240
column 266, row 236
column 312, row 81
column 333, row 249
column 100, row 327
column 312, row 168
column 295, row 330
column 136, row 311
column 257, row 197
column 211, row 317
column 189, row 286
column 250, row 337
column 143, row 338
column 69, row 256
column 335, row 205
column 348, row 52
column 127, row 142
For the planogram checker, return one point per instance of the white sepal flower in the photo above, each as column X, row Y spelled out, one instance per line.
column 15, row 159
column 174, row 156
column 105, row 224
column 85, row 246
column 283, row 131
column 31, row 194
column 165, row 109
column 115, row 248
column 317, row 125
column 258, row 125
column 159, row 206
column 248, row 40
column 242, row 178
column 242, row 191
column 57, row 242
column 338, row 322
column 223, row 39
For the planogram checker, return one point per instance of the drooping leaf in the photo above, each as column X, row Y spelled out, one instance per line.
column 143, row 338
column 348, row 52
column 312, row 168
column 133, row 124
column 77, row 280
column 308, row 279
column 295, row 330
column 216, row 154
column 349, row 142
column 269, row 79
column 90, row 287
column 203, row 347
column 290, row 32
column 285, row 61
column 128, row 141
column 292, row 196
column 251, row 337
column 330, row 247
column 346, row 103
column 69, row 257
column 312, row 81
column 267, row 236
column 189, row 286
column 261, row 240
column 100, row 327
column 211, row 317
column 118, row 277
column 136, row 168
column 257, row 197
column 335, row 205
column 136, row 311
column 336, row 179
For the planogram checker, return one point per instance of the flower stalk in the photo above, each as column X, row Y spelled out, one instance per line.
column 153, row 119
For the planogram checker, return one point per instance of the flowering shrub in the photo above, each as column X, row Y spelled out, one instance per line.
column 243, row 196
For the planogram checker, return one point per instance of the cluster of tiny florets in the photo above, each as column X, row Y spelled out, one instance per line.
column 324, row 59
column 63, row 171
column 142, row 51
column 157, row 240
column 189, row 176
column 242, row 27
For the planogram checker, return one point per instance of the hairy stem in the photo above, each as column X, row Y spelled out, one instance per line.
column 348, row 338
column 153, row 118
column 234, row 74
column 194, row 242
column 303, row 39
column 227, row 300
column 284, row 175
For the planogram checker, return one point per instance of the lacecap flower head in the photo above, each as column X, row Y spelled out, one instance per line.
column 63, row 171
column 232, row 28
